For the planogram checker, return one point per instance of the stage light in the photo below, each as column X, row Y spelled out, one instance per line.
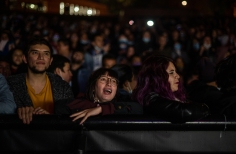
column 61, row 6
column 89, row 12
column 184, row 3
column 76, row 9
column 32, row 6
column 150, row 23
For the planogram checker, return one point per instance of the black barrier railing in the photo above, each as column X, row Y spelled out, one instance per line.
column 117, row 134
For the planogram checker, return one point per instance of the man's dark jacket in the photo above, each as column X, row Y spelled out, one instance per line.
column 61, row 90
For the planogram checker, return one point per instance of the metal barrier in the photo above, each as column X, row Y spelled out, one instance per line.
column 117, row 134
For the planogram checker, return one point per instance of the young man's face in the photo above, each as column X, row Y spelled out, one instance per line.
column 62, row 48
column 17, row 57
column 108, row 63
column 39, row 58
column 65, row 74
column 98, row 41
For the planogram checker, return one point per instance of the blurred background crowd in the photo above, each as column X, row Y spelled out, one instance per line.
column 90, row 43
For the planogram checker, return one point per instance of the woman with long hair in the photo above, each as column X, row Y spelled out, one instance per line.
column 160, row 92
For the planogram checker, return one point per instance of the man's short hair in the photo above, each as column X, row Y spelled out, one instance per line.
column 95, row 37
column 58, row 62
column 38, row 40
column 108, row 56
column 78, row 49
column 64, row 41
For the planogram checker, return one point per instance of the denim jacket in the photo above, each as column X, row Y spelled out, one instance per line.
column 7, row 104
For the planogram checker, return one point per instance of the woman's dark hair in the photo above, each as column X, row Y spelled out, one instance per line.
column 154, row 78
column 226, row 73
column 125, row 73
column 93, row 79
column 37, row 40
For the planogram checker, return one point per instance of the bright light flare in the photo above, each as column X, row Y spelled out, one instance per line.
column 131, row 22
column 32, row 6
column 89, row 12
column 184, row 3
column 150, row 23
column 76, row 9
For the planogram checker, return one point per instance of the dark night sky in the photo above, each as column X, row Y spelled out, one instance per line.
column 167, row 3
column 204, row 6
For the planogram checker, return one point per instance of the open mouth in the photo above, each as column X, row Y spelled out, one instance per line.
column 107, row 91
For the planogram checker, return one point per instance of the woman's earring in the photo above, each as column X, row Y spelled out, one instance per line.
column 95, row 99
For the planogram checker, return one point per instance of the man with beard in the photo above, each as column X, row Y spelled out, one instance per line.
column 36, row 91
column 80, row 72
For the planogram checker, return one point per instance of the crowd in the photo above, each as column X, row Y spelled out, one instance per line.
column 177, row 70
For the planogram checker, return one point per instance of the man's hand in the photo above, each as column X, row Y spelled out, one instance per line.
column 39, row 110
column 86, row 113
column 25, row 114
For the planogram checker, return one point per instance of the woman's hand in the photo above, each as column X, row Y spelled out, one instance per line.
column 39, row 110
column 86, row 113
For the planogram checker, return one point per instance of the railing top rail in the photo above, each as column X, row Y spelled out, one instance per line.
column 117, row 122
